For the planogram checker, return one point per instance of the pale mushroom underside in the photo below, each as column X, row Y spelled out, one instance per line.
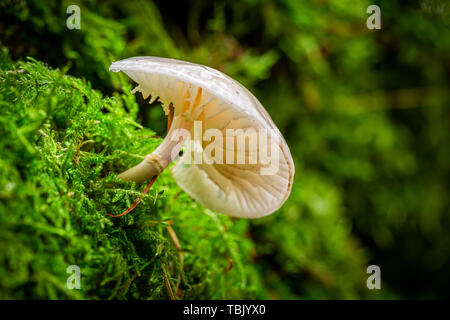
column 200, row 93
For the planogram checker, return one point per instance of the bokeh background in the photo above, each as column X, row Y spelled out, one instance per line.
column 365, row 113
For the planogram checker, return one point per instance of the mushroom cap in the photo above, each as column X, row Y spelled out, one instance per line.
column 200, row 93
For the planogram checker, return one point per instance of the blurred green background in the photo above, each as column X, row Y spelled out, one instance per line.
column 364, row 112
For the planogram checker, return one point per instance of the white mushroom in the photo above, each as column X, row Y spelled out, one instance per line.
column 251, row 189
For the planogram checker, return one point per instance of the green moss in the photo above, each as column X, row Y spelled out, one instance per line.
column 62, row 145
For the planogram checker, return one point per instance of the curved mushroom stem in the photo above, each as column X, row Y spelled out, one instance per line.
column 158, row 160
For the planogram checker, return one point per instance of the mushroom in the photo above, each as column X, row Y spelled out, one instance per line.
column 235, row 175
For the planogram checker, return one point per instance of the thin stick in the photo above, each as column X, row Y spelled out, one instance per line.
column 136, row 202
column 128, row 283
column 172, row 297
column 180, row 254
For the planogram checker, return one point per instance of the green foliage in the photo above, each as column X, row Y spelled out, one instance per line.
column 64, row 145
column 365, row 113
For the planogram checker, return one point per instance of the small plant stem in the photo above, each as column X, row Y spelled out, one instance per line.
column 136, row 202
column 180, row 254
column 169, row 287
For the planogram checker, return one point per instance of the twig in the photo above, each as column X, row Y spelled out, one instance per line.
column 169, row 287
column 180, row 254
column 128, row 283
column 136, row 202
